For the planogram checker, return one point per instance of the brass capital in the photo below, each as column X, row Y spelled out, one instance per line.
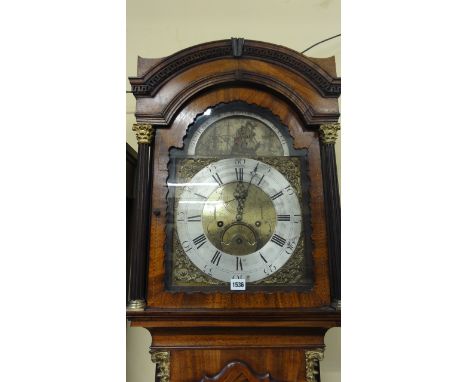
column 329, row 132
column 162, row 361
column 144, row 133
column 312, row 358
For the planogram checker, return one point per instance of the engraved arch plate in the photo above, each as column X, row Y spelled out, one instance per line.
column 240, row 132
column 238, row 129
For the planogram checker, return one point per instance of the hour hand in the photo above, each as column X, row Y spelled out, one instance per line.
column 239, row 194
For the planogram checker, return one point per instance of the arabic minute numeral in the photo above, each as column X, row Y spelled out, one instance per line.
column 290, row 246
column 289, row 190
column 186, row 246
column 271, row 269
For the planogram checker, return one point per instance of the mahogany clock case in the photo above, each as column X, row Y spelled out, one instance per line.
column 209, row 333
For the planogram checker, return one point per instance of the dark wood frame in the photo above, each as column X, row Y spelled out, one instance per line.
column 302, row 92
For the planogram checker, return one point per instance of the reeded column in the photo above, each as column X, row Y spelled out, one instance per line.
column 140, row 229
column 328, row 137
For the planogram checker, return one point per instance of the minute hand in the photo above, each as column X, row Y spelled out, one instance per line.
column 254, row 174
column 243, row 196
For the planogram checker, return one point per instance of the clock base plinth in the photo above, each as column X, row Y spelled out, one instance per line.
column 201, row 345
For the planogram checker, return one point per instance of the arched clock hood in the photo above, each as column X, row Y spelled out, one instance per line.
column 163, row 85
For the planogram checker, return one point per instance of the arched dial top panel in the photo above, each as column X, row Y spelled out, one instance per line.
column 241, row 132
column 239, row 218
column 238, row 129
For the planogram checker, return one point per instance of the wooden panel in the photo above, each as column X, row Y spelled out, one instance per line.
column 282, row 364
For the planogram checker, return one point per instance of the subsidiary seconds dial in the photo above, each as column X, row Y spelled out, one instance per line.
column 238, row 218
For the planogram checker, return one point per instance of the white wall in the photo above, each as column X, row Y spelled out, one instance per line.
column 160, row 28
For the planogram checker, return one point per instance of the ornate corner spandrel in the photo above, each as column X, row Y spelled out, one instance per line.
column 144, row 133
column 312, row 358
column 329, row 132
column 162, row 361
column 237, row 371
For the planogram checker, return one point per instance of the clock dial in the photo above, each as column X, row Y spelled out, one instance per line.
column 238, row 218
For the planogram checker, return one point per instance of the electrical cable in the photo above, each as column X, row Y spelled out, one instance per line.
column 320, row 42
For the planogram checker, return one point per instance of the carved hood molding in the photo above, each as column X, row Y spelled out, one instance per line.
column 164, row 85
column 152, row 80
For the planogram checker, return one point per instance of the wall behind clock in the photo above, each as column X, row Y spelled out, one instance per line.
column 160, row 28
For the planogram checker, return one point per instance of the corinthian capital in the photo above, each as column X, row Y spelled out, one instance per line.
column 329, row 132
column 144, row 133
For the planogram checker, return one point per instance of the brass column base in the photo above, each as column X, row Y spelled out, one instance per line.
column 337, row 304
column 136, row 305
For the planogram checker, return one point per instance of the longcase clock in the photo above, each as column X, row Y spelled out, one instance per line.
column 235, row 242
